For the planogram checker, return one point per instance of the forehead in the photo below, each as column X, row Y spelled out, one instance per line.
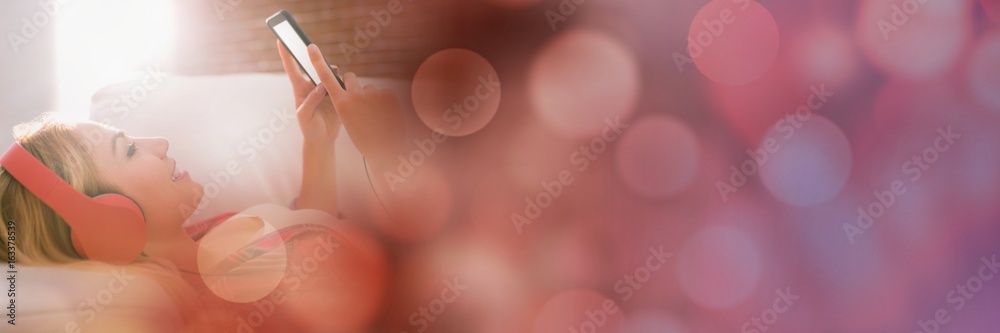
column 96, row 137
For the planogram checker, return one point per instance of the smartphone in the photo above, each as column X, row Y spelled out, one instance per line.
column 291, row 35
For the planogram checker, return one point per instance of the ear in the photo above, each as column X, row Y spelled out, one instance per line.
column 113, row 230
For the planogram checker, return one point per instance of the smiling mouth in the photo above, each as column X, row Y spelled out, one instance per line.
column 178, row 173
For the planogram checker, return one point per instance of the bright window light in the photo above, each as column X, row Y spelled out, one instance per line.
column 99, row 42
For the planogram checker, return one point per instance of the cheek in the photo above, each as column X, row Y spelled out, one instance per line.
column 147, row 192
column 157, row 196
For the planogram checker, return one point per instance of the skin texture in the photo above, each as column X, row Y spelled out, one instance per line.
column 141, row 168
column 145, row 176
column 370, row 116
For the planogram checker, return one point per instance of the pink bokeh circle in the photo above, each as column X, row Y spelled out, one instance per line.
column 719, row 267
column 242, row 283
column 658, row 157
column 823, row 54
column 582, row 79
column 456, row 92
column 912, row 38
column 733, row 42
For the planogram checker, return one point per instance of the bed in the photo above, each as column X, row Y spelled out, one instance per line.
column 237, row 135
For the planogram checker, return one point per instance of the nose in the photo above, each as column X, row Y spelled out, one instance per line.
column 156, row 146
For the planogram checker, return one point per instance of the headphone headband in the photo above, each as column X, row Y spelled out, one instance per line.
column 41, row 181
column 108, row 227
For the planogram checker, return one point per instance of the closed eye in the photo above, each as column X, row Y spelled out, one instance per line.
column 131, row 149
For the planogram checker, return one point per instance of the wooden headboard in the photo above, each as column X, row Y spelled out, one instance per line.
column 229, row 36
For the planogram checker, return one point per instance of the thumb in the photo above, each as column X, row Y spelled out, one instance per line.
column 307, row 109
column 333, row 83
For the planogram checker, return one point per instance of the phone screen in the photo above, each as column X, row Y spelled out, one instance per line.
column 297, row 47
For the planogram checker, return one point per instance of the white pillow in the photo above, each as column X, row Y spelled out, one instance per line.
column 58, row 299
column 235, row 134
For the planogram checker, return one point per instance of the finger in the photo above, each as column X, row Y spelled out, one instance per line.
column 389, row 98
column 325, row 73
column 308, row 107
column 371, row 90
column 299, row 82
column 386, row 95
column 335, row 69
column 351, row 81
column 385, row 92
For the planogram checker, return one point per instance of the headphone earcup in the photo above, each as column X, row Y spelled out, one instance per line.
column 114, row 230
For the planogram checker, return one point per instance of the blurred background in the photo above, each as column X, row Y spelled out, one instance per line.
column 651, row 165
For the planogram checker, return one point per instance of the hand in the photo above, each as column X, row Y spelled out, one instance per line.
column 317, row 117
column 371, row 116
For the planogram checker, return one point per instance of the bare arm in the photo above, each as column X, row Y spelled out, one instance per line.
column 319, row 179
column 320, row 125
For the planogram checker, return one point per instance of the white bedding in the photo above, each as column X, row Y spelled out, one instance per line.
column 210, row 122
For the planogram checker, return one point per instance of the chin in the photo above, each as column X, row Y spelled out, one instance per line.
column 191, row 193
column 198, row 190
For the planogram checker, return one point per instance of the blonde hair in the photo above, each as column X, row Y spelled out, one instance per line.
column 42, row 237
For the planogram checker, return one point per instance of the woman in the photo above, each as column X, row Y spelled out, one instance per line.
column 95, row 159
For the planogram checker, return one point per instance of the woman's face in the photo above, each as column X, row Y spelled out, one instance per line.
column 140, row 167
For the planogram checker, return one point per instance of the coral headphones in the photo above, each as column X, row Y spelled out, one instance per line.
column 108, row 227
